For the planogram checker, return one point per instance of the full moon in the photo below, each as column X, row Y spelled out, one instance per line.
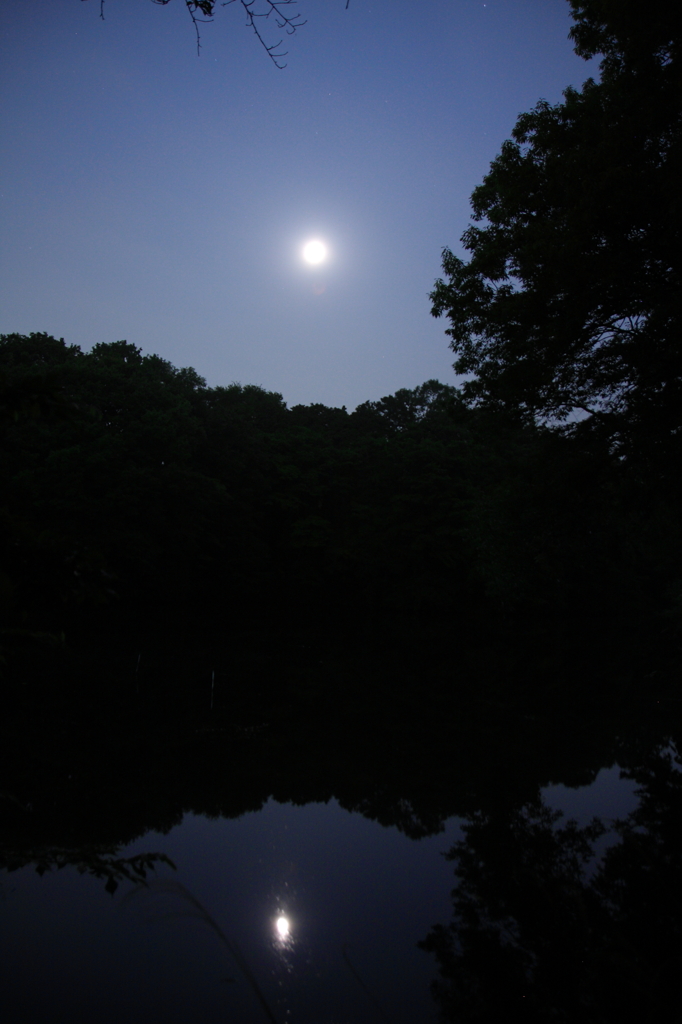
column 282, row 926
column 314, row 252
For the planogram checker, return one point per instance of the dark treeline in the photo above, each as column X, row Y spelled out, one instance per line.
column 138, row 498
column 130, row 484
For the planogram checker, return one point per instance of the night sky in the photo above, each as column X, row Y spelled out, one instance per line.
column 153, row 195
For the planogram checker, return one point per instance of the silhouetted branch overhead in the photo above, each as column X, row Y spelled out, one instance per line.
column 289, row 23
column 278, row 11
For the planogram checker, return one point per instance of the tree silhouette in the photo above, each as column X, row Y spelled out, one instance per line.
column 570, row 299
column 265, row 12
column 545, row 929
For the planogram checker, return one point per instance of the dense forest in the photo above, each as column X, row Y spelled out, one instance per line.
column 137, row 498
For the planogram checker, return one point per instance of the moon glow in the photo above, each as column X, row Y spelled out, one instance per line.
column 314, row 251
column 282, row 926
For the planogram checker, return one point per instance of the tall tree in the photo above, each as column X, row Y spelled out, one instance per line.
column 570, row 299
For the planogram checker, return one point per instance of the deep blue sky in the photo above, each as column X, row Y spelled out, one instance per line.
column 152, row 195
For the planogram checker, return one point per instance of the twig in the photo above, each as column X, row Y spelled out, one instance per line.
column 283, row 20
column 178, row 889
column 364, row 986
column 276, row 8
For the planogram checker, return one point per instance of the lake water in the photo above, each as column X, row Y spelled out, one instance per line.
column 401, row 835
column 357, row 897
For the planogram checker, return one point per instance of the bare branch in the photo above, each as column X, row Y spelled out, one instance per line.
column 101, row 9
column 275, row 9
column 205, row 6
column 272, row 7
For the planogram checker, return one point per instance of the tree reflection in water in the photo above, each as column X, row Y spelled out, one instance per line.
column 538, row 935
column 543, row 928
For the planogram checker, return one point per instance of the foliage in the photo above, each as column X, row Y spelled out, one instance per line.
column 99, row 862
column 570, row 300
column 184, row 497
column 135, row 496
column 624, row 35
column 546, row 929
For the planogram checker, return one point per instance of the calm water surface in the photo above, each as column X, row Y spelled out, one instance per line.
column 399, row 818
column 356, row 896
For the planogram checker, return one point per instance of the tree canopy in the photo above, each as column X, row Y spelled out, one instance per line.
column 570, row 299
